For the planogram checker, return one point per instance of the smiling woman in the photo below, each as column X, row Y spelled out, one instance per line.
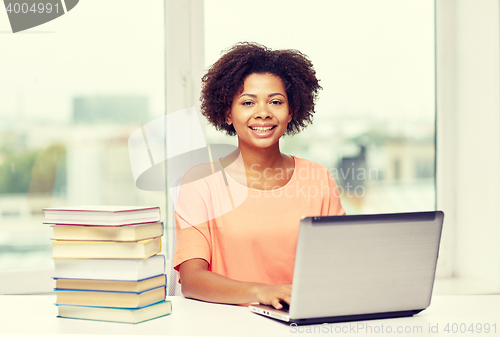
column 374, row 120
column 231, row 256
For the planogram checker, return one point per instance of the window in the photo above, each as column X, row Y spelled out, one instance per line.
column 376, row 111
column 73, row 90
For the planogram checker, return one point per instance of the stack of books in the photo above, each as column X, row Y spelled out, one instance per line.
column 107, row 265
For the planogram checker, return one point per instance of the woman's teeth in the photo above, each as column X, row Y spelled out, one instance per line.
column 262, row 129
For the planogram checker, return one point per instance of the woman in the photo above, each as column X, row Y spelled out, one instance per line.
column 241, row 249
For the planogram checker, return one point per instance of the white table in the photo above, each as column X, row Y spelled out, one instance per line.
column 36, row 315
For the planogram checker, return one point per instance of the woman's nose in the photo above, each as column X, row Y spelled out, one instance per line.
column 263, row 111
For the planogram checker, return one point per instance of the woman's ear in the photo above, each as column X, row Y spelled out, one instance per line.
column 229, row 121
column 290, row 115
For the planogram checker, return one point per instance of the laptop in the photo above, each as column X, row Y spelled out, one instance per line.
column 359, row 267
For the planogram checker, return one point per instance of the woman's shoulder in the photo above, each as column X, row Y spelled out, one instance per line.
column 310, row 170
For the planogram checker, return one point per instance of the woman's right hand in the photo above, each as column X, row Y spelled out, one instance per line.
column 273, row 294
column 200, row 283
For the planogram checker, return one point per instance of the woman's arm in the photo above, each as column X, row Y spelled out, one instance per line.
column 200, row 283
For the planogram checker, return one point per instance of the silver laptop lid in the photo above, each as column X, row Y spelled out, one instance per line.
column 359, row 264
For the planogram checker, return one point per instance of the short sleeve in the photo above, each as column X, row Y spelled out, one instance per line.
column 193, row 238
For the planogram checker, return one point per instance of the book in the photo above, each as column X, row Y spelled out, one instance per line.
column 101, row 215
column 110, row 269
column 106, row 249
column 120, row 315
column 110, row 298
column 103, row 285
column 107, row 233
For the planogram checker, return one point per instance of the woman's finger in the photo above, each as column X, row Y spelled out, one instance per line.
column 276, row 304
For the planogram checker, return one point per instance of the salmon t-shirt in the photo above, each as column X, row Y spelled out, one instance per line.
column 248, row 234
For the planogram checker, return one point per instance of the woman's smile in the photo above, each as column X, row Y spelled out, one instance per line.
column 263, row 130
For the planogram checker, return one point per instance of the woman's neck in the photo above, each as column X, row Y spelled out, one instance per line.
column 262, row 168
column 259, row 159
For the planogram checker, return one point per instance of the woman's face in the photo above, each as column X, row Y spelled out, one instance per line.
column 260, row 113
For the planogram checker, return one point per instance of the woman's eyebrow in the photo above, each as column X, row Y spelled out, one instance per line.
column 270, row 95
column 251, row 95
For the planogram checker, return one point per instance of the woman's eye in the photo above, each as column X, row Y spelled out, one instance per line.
column 247, row 103
column 276, row 102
